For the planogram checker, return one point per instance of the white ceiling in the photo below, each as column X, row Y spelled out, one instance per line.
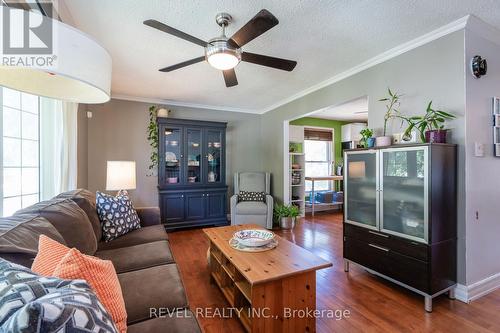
column 325, row 38
column 355, row 110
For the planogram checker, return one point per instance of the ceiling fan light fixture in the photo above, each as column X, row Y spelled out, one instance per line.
column 223, row 61
column 221, row 56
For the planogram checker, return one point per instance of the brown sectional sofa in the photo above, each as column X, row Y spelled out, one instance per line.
column 147, row 272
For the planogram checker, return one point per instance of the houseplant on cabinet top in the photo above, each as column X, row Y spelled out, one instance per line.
column 286, row 215
column 367, row 138
column 430, row 125
column 392, row 107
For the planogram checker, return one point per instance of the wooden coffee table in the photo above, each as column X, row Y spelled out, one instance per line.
column 271, row 291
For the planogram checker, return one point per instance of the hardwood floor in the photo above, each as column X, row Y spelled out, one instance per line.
column 374, row 304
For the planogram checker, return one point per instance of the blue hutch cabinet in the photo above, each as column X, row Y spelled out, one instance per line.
column 192, row 173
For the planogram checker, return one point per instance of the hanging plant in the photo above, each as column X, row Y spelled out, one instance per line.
column 153, row 138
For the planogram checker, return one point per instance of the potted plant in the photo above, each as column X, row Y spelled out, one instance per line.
column 286, row 214
column 392, row 111
column 430, row 125
column 367, row 139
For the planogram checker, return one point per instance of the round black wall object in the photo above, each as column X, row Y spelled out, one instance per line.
column 478, row 66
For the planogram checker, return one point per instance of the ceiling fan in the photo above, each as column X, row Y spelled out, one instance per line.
column 225, row 53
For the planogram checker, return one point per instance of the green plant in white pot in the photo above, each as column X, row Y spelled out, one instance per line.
column 287, row 215
column 392, row 112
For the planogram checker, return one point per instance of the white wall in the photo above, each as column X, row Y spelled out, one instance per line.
column 434, row 71
column 482, row 173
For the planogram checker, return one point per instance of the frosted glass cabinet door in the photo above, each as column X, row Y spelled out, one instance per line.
column 403, row 195
column 361, row 169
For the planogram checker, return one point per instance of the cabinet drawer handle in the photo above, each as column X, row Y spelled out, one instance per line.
column 378, row 234
column 182, row 196
column 379, row 247
column 208, row 194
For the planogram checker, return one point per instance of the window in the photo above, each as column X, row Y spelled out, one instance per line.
column 19, row 163
column 318, row 162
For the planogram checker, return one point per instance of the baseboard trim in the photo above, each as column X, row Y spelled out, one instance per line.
column 478, row 289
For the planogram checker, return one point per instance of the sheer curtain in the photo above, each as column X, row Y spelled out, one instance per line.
column 58, row 147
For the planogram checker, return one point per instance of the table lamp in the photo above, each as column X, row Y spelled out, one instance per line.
column 120, row 176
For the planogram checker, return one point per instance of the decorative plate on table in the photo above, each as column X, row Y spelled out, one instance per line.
column 254, row 237
column 235, row 244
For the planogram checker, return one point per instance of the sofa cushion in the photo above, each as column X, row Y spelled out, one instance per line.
column 139, row 236
column 72, row 309
column 148, row 215
column 117, row 215
column 140, row 256
column 179, row 322
column 86, row 201
column 155, row 287
column 19, row 236
column 251, row 208
column 69, row 219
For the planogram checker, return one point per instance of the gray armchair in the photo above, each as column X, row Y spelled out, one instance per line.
column 252, row 212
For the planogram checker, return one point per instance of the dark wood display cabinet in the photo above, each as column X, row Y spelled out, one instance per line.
column 192, row 173
column 400, row 216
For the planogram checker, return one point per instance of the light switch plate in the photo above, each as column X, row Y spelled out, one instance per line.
column 478, row 149
column 89, row 114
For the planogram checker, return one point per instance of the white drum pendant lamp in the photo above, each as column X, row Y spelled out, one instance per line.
column 46, row 57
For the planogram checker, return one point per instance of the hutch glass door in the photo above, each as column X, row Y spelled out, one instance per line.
column 361, row 169
column 193, row 160
column 214, row 155
column 403, row 184
column 173, row 155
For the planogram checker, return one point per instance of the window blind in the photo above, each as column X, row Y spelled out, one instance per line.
column 318, row 135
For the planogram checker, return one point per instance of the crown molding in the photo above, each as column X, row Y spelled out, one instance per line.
column 182, row 104
column 447, row 29
column 389, row 54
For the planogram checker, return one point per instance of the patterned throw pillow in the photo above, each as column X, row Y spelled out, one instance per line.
column 117, row 215
column 19, row 286
column 251, row 196
column 71, row 310
column 24, row 305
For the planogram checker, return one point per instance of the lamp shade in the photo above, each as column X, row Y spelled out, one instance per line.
column 120, row 175
column 72, row 68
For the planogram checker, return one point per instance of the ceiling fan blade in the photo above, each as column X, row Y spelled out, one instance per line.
column 259, row 24
column 230, row 77
column 172, row 31
column 182, row 64
column 278, row 63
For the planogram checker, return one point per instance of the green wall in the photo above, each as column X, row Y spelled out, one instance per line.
column 334, row 124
